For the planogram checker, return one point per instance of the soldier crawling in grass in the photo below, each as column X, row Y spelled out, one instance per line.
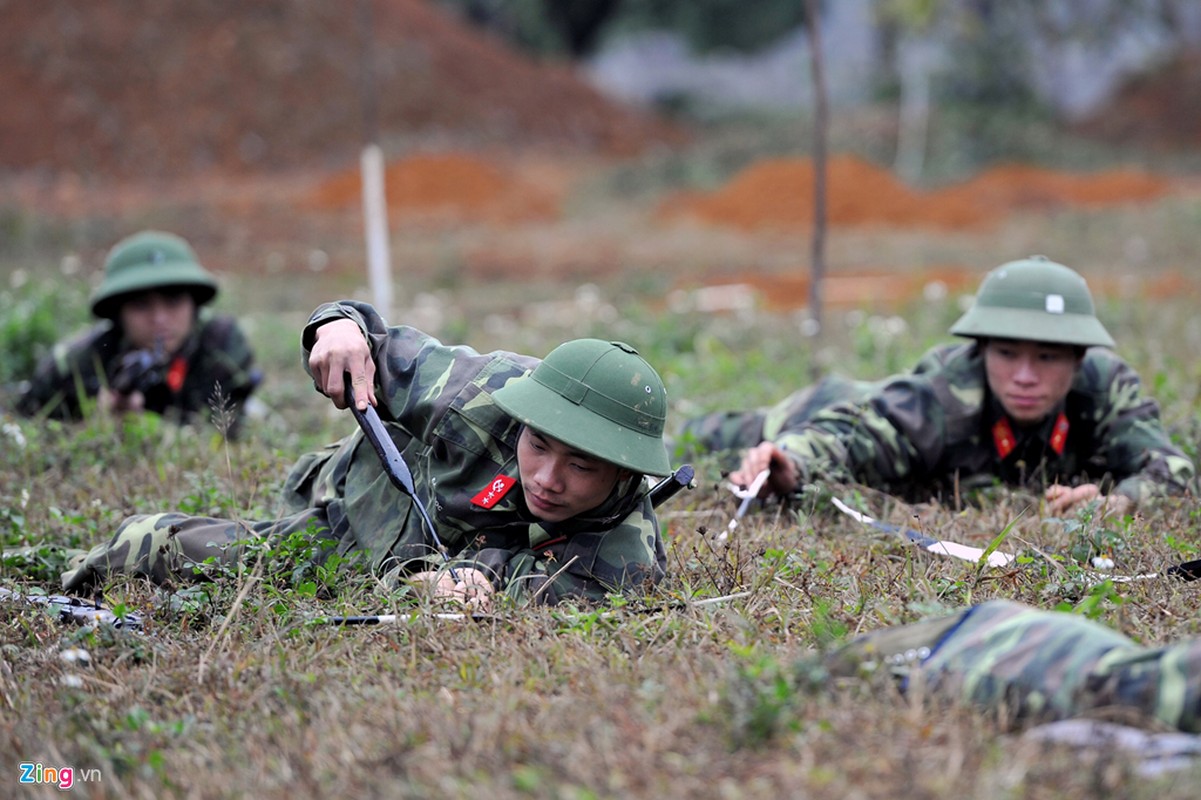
column 533, row 472
column 158, row 348
column 1030, row 666
column 1037, row 399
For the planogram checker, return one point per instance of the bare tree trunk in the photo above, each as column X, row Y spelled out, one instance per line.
column 914, row 119
column 820, row 135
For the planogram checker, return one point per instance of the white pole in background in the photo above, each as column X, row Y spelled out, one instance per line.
column 375, row 204
column 375, row 217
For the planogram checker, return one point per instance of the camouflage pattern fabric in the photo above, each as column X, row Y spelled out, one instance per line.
column 176, row 547
column 929, row 433
column 1028, row 665
column 216, row 352
column 738, row 430
column 734, row 431
column 436, row 402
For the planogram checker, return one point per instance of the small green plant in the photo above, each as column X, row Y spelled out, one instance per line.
column 33, row 316
column 1099, row 600
column 1093, row 537
column 826, row 627
column 760, row 696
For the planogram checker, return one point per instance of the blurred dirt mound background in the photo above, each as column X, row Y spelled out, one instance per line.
column 450, row 185
column 164, row 88
column 778, row 193
column 239, row 125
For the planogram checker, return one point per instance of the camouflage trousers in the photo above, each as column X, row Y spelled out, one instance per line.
column 173, row 546
column 1029, row 665
column 724, row 431
column 178, row 547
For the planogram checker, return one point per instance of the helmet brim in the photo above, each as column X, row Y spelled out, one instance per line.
column 550, row 413
column 1031, row 325
column 106, row 302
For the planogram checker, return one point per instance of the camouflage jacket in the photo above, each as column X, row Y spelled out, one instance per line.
column 1032, row 665
column 216, row 353
column 935, row 429
column 436, row 402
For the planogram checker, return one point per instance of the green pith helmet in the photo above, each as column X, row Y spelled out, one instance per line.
column 1034, row 299
column 150, row 260
column 601, row 398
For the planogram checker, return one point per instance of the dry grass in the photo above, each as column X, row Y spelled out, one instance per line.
column 626, row 702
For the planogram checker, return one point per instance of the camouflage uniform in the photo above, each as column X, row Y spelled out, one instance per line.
column 725, row 431
column 1033, row 666
column 215, row 354
column 437, row 403
column 934, row 430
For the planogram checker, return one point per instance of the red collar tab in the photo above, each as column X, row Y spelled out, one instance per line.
column 176, row 374
column 1002, row 436
column 491, row 494
column 1059, row 434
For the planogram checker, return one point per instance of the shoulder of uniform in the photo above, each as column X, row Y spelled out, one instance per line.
column 101, row 335
column 953, row 381
column 508, row 365
column 1102, row 355
column 1101, row 366
column 951, row 365
column 944, row 355
column 216, row 327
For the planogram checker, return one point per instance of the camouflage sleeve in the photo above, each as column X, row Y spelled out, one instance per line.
column 49, row 388
column 364, row 315
column 798, row 408
column 69, row 372
column 1131, row 440
column 737, row 430
column 416, row 375
column 231, row 358
column 883, row 440
column 878, row 433
column 628, row 558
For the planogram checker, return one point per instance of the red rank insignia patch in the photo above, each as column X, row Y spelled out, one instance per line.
column 491, row 494
column 176, row 374
column 1059, row 434
column 1002, row 437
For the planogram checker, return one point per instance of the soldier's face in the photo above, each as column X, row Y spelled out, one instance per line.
column 149, row 317
column 1029, row 378
column 559, row 481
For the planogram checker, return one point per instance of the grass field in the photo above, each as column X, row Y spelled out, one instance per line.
column 236, row 691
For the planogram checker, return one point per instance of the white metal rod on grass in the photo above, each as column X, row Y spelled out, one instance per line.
column 375, row 218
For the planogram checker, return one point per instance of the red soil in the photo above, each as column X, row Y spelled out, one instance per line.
column 461, row 186
column 778, row 193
